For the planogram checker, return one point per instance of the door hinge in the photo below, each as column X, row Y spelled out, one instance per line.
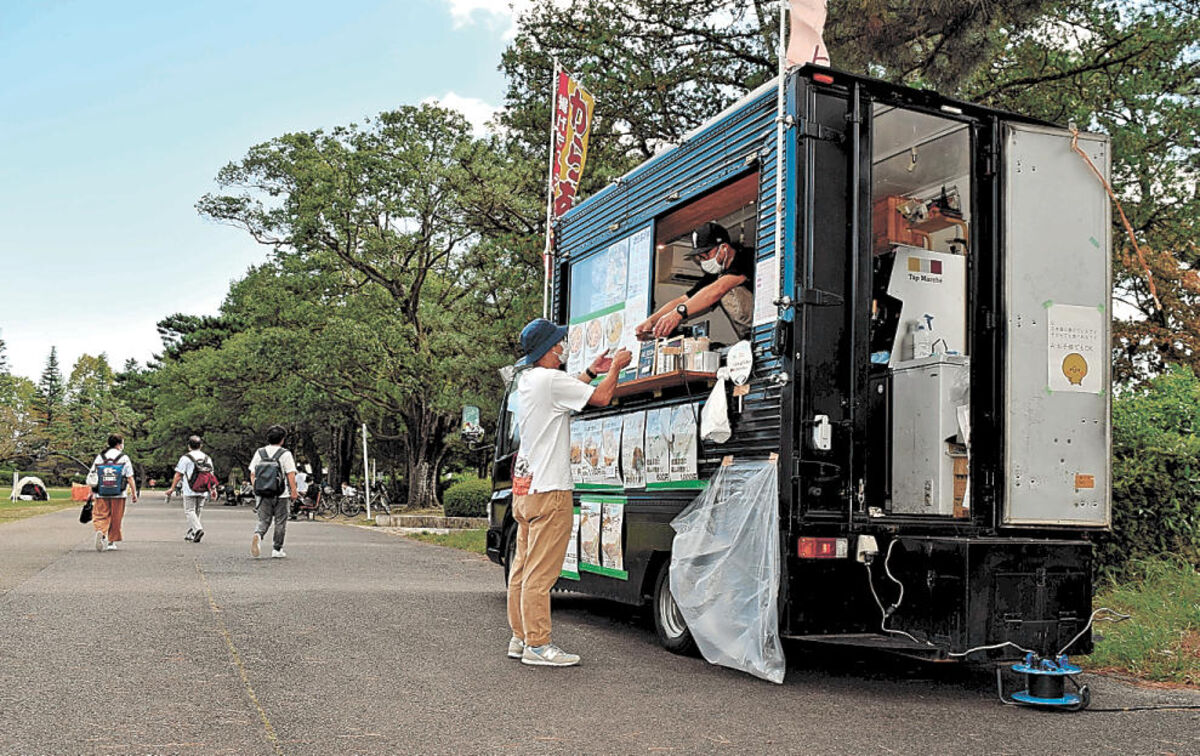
column 989, row 161
column 819, row 298
column 807, row 129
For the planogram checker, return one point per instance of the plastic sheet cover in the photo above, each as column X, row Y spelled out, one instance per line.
column 725, row 565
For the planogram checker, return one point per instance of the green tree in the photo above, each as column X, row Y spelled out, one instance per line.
column 401, row 310
column 50, row 391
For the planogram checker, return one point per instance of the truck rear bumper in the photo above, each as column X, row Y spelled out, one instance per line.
column 495, row 545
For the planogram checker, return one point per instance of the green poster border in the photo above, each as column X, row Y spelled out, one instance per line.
column 598, row 313
column 564, row 573
column 605, row 571
column 678, row 485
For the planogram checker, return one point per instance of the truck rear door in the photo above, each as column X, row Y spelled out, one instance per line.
column 1056, row 248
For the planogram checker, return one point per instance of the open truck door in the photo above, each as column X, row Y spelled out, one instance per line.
column 1056, row 246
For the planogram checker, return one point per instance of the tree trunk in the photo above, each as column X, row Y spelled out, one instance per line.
column 425, row 445
column 313, row 454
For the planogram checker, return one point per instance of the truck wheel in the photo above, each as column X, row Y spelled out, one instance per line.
column 671, row 628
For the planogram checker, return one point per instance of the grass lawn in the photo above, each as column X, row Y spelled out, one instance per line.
column 467, row 540
column 1162, row 641
column 60, row 498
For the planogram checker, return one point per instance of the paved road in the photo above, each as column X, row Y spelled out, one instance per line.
column 361, row 642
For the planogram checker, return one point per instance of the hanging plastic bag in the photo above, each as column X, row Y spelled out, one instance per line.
column 714, row 418
column 725, row 564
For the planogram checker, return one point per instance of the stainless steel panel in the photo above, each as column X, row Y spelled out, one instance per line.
column 926, row 394
column 1057, row 252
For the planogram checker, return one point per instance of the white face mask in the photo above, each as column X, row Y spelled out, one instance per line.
column 712, row 267
column 562, row 357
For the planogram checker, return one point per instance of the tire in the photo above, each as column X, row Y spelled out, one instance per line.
column 351, row 506
column 669, row 625
column 326, row 510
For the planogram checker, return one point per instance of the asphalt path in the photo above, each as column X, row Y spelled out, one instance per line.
column 364, row 642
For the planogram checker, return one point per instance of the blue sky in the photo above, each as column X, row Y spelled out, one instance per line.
column 116, row 116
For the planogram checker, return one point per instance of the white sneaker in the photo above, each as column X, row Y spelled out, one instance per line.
column 516, row 647
column 254, row 545
column 112, row 546
column 278, row 554
column 101, row 542
column 548, row 655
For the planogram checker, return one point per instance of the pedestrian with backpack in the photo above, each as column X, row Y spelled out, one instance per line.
column 111, row 475
column 195, row 471
column 272, row 474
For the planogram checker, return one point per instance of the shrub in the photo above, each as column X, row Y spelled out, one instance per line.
column 1156, row 475
column 467, row 498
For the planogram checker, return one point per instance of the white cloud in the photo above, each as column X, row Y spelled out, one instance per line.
column 477, row 112
column 465, row 12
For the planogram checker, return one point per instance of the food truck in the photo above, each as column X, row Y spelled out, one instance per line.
column 928, row 366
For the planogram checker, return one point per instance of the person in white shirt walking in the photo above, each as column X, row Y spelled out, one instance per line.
column 272, row 473
column 542, row 485
column 195, row 468
column 112, row 473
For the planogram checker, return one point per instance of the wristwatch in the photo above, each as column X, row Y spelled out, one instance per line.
column 589, row 373
column 682, row 310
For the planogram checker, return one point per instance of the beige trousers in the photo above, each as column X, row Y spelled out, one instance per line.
column 543, row 532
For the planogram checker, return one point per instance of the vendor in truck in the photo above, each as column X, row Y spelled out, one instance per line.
column 728, row 280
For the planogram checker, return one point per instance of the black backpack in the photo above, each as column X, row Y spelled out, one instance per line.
column 268, row 474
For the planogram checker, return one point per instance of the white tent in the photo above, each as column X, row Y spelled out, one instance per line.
column 19, row 485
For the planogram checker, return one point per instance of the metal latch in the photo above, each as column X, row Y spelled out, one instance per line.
column 819, row 298
column 822, row 433
column 807, row 129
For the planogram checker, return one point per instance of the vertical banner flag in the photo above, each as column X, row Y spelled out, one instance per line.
column 572, row 124
column 805, row 43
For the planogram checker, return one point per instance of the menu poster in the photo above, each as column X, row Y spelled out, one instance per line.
column 570, row 565
column 592, row 472
column 612, row 526
column 589, row 531
column 684, row 441
column 577, row 429
column 610, row 450
column 766, row 290
column 658, row 445
column 633, row 449
column 575, row 363
column 637, row 297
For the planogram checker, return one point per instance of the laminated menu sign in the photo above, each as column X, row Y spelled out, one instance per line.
column 589, row 532
column 637, row 297
column 658, row 445
column 570, row 565
column 577, row 428
column 633, row 449
column 610, row 450
column 766, row 290
column 592, row 471
column 612, row 554
column 684, row 442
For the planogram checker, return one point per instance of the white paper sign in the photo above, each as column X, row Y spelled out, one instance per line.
column 658, row 445
column 684, row 441
column 611, row 552
column 589, row 531
column 570, row 565
column 633, row 449
column 610, row 450
column 1075, row 349
column 766, row 286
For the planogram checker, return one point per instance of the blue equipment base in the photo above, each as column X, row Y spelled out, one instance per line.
column 1068, row 699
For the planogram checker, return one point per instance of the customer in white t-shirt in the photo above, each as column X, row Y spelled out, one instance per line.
column 542, row 482
column 272, row 464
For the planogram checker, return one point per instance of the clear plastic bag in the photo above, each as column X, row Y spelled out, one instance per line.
column 725, row 564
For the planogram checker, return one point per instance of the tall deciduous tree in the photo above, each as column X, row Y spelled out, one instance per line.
column 380, row 221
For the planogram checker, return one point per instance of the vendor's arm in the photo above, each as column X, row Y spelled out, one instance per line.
column 645, row 329
column 604, row 392
column 700, row 302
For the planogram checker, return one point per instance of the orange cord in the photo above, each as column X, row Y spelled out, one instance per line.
column 1121, row 210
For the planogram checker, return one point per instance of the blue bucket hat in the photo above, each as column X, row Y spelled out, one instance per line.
column 539, row 337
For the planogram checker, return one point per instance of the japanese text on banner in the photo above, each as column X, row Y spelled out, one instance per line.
column 572, row 124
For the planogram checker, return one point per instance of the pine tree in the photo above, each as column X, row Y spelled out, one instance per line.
column 50, row 389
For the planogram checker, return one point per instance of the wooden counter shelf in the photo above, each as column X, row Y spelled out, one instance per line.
column 656, row 383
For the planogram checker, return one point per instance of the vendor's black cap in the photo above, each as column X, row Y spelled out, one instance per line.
column 706, row 237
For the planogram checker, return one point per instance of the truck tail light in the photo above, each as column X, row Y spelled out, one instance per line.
column 822, row 548
column 823, row 78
